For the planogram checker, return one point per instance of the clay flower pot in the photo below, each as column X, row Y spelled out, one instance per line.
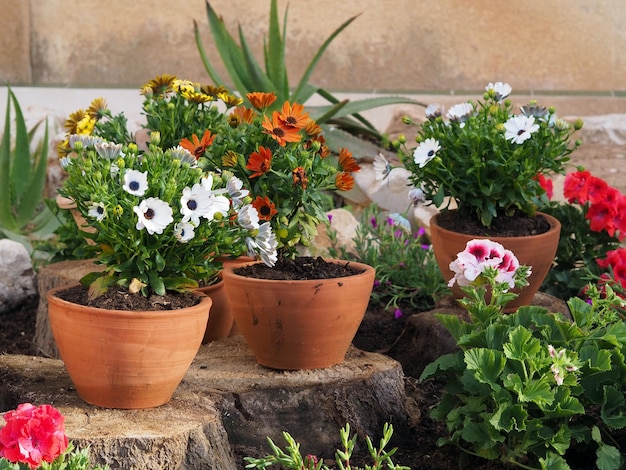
column 537, row 251
column 126, row 359
column 301, row 324
column 221, row 322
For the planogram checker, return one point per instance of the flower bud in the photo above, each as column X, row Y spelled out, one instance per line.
column 402, row 139
column 282, row 233
column 78, row 145
column 578, row 125
column 407, row 120
column 132, row 147
column 97, row 175
column 155, row 137
column 218, row 216
column 171, row 106
column 120, row 163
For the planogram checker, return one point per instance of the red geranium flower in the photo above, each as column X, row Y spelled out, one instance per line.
column 575, row 188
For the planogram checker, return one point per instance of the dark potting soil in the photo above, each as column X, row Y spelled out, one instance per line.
column 118, row 298
column 518, row 225
column 299, row 269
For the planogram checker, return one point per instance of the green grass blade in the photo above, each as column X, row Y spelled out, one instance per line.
column 21, row 168
column 307, row 74
column 275, row 63
column 33, row 196
column 7, row 221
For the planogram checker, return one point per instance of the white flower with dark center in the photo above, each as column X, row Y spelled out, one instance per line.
column 108, row 150
column 518, row 129
column 97, row 211
column 154, row 215
column 233, row 186
column 416, row 196
column 460, row 112
column 534, row 110
column 195, row 203
column 183, row 232
column 382, row 167
column 135, row 182
column 264, row 244
column 218, row 203
column 248, row 217
column 501, row 90
column 425, row 152
column 433, row 111
column 184, row 155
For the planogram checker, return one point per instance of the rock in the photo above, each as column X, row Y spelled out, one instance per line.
column 17, row 279
column 223, row 410
column 344, row 224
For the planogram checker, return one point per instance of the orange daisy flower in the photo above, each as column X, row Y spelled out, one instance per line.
column 264, row 207
column 312, row 128
column 198, row 147
column 347, row 162
column 344, row 181
column 260, row 162
column 241, row 114
column 279, row 132
column 293, row 115
column 261, row 100
column 299, row 177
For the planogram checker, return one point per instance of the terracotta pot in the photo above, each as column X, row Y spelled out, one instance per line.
column 126, row 359
column 221, row 320
column 537, row 251
column 292, row 325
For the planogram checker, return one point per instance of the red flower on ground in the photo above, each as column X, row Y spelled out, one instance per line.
column 260, row 162
column 33, row 435
column 198, row 147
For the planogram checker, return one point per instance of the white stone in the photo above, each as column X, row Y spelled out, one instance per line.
column 17, row 279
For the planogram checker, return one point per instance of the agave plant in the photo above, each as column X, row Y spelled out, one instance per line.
column 247, row 75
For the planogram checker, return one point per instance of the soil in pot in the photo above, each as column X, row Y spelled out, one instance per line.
column 299, row 269
column 518, row 225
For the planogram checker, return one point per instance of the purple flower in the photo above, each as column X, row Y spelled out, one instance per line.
column 397, row 313
column 389, row 221
column 373, row 222
column 376, row 283
column 330, row 218
column 397, row 233
column 425, row 246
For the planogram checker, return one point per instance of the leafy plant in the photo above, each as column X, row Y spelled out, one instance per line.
column 248, row 75
column 530, row 387
column 407, row 274
column 292, row 458
column 23, row 216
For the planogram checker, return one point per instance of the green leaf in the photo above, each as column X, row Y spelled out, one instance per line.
column 486, row 364
column 608, row 457
column 275, row 53
column 521, row 344
column 509, row 417
column 553, row 461
column 442, row 364
column 7, row 221
column 21, row 167
column 613, row 407
column 156, row 283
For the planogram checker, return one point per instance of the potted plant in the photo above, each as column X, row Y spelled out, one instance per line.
column 282, row 159
column 160, row 222
column 488, row 162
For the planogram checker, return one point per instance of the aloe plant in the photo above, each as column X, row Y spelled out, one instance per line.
column 247, row 75
column 23, row 215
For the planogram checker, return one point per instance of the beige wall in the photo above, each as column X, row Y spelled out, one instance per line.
column 404, row 45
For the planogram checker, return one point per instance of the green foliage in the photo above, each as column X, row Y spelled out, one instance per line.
column 23, row 216
column 291, row 457
column 247, row 75
column 407, row 274
column 71, row 459
column 526, row 387
column 476, row 160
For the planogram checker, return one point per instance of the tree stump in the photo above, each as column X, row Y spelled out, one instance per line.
column 55, row 275
column 224, row 409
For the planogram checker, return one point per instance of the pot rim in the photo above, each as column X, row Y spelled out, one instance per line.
column 555, row 224
column 228, row 271
column 123, row 314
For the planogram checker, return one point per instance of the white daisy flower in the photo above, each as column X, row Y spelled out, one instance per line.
column 65, row 162
column 400, row 221
column 218, row 203
column 97, row 211
column 248, row 217
column 501, row 90
column 233, row 186
column 518, row 129
column 114, row 170
column 382, row 167
column 433, row 111
column 264, row 244
column 84, row 139
column 195, row 203
column 184, row 155
column 135, row 182
column 534, row 110
column 154, row 215
column 108, row 150
column 416, row 196
column 425, row 152
column 183, row 232
column 460, row 112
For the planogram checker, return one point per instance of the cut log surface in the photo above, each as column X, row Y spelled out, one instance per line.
column 224, row 409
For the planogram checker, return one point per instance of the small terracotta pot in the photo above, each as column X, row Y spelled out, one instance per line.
column 221, row 320
column 537, row 251
column 126, row 359
column 305, row 324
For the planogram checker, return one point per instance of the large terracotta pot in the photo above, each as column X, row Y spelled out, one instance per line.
column 126, row 359
column 537, row 251
column 304, row 324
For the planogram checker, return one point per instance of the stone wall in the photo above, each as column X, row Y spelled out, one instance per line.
column 405, row 45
